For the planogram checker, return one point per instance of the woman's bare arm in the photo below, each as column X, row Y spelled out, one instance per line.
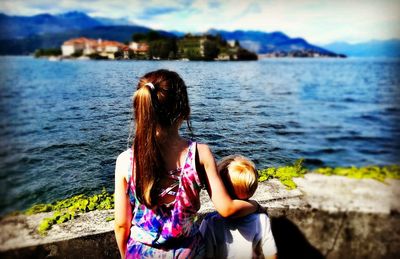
column 123, row 209
column 223, row 203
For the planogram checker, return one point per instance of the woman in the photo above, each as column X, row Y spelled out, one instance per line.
column 158, row 180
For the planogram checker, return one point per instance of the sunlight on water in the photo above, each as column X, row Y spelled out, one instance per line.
column 63, row 124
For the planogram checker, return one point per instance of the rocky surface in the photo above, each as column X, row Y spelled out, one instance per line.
column 326, row 216
column 20, row 231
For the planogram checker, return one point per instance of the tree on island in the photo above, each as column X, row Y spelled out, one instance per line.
column 244, row 54
column 163, row 48
column 47, row 52
column 138, row 37
column 147, row 37
column 160, row 47
column 211, row 50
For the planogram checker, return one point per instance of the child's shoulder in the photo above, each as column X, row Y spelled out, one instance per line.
column 262, row 218
column 213, row 217
column 210, row 221
column 258, row 216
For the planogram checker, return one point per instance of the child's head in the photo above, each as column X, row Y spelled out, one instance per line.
column 239, row 176
column 160, row 105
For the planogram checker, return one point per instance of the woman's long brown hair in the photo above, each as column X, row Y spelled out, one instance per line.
column 155, row 108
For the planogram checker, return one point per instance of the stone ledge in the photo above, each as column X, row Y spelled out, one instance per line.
column 324, row 217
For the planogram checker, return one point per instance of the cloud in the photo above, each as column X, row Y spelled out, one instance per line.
column 156, row 11
column 214, row 4
column 252, row 9
column 319, row 21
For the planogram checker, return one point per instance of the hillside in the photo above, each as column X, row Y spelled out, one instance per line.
column 375, row 48
column 17, row 27
column 27, row 45
column 25, row 34
column 264, row 42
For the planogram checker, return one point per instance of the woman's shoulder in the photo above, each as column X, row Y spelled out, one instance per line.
column 124, row 156
column 203, row 148
column 123, row 163
column 205, row 154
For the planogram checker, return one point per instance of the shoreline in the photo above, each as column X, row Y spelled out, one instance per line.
column 260, row 59
column 324, row 210
column 284, row 174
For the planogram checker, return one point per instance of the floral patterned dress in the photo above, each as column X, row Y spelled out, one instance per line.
column 169, row 231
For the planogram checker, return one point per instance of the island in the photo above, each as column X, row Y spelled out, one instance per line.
column 152, row 46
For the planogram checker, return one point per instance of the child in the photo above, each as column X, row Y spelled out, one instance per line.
column 157, row 181
column 245, row 237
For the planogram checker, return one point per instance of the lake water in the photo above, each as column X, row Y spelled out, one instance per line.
column 62, row 124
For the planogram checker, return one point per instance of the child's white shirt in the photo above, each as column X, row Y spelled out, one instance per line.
column 245, row 237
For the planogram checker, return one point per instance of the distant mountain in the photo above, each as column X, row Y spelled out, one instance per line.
column 263, row 42
column 29, row 44
column 108, row 21
column 17, row 27
column 24, row 34
column 375, row 48
column 178, row 33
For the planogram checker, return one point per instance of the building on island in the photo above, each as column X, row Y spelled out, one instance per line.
column 232, row 43
column 110, row 48
column 85, row 47
column 189, row 47
column 139, row 48
column 223, row 57
column 125, row 52
column 73, row 46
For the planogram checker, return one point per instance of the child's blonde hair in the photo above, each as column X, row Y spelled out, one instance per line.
column 239, row 175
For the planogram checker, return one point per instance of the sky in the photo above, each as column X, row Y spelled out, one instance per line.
column 318, row 21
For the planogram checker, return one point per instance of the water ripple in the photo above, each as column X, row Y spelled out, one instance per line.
column 62, row 124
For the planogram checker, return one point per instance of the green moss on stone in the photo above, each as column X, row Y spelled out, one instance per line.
column 45, row 225
column 39, row 208
column 372, row 172
column 67, row 209
column 110, row 218
column 285, row 174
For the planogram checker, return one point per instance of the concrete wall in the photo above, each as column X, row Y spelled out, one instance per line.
column 325, row 217
column 93, row 246
column 299, row 233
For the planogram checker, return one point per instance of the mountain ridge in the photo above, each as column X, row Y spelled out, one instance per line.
column 17, row 27
column 373, row 48
column 28, row 45
column 264, row 42
column 22, row 34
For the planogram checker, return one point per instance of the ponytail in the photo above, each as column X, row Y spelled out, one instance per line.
column 148, row 160
column 160, row 101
